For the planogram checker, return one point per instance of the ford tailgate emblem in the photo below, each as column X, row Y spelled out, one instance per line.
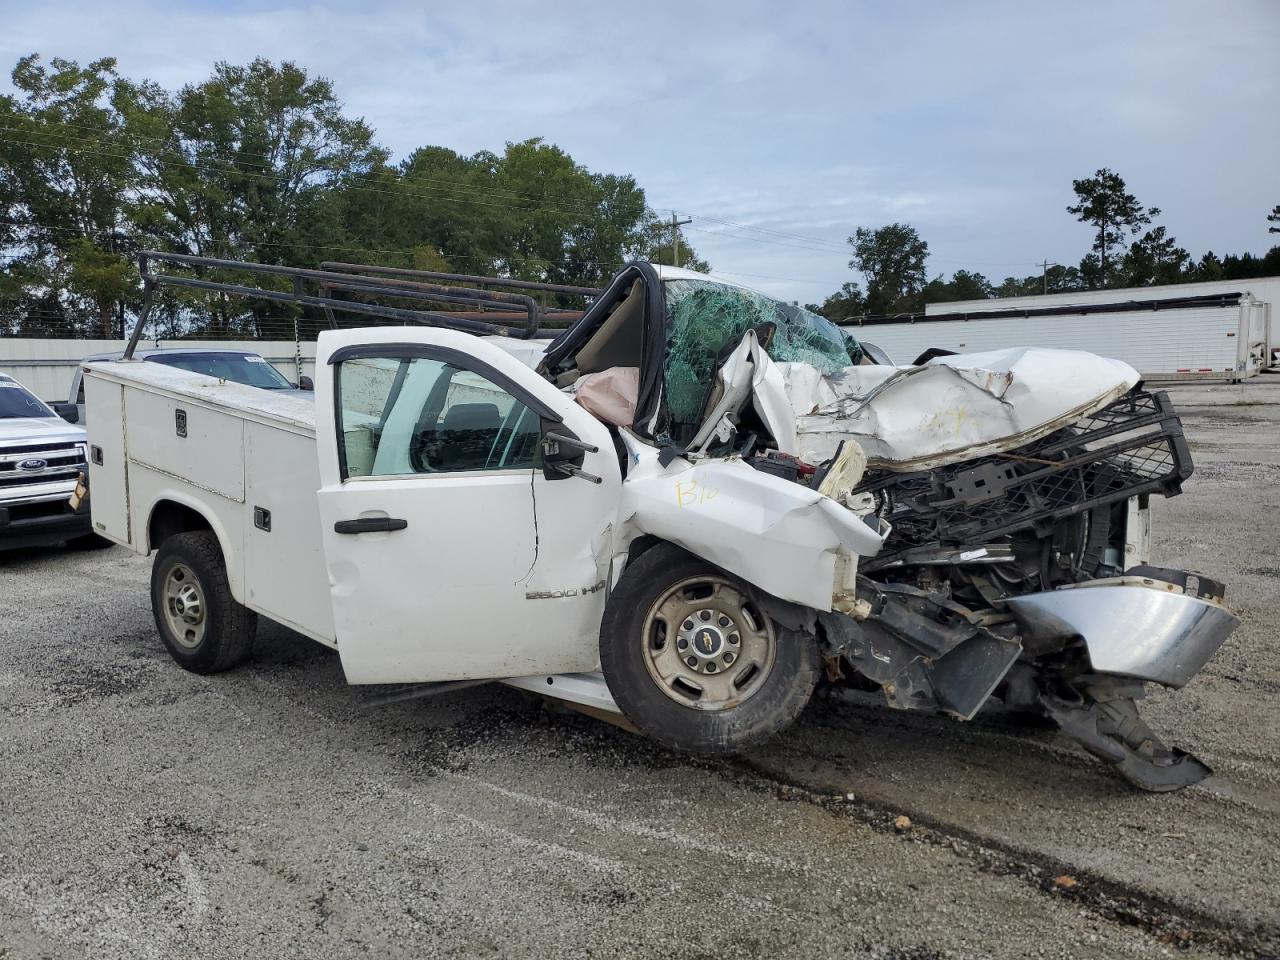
column 33, row 464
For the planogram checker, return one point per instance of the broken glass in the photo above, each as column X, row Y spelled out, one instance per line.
column 705, row 317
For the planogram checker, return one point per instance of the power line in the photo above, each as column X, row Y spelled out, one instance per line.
column 144, row 238
column 497, row 192
column 778, row 238
column 767, row 236
column 269, row 177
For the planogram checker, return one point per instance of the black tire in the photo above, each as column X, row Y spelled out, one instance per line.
column 777, row 698
column 226, row 629
column 90, row 541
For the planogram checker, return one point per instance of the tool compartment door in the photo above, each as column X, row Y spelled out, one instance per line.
column 108, row 458
column 450, row 555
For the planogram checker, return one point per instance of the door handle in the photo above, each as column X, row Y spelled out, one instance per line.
column 369, row 525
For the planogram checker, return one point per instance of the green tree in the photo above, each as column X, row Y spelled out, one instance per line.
column 1246, row 266
column 66, row 175
column 236, row 165
column 1209, row 267
column 1105, row 203
column 567, row 224
column 1274, row 217
column 436, row 206
column 963, row 285
column 1154, row 258
column 1055, row 279
column 846, row 303
column 892, row 259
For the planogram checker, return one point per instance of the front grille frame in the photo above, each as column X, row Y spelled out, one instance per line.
column 66, row 460
column 1134, row 446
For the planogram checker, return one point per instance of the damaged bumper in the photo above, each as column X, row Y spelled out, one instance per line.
column 1147, row 632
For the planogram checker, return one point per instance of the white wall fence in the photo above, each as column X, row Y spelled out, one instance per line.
column 47, row 367
column 1216, row 343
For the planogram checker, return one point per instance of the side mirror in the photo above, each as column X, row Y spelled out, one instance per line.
column 563, row 453
column 67, row 411
column 306, row 383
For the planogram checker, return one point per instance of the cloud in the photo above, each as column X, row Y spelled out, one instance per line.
column 795, row 124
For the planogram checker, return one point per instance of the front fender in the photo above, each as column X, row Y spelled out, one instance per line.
column 777, row 535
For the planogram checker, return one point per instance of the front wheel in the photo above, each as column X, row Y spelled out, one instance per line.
column 694, row 661
column 200, row 622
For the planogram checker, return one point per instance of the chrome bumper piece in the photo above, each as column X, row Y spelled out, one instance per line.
column 1147, row 632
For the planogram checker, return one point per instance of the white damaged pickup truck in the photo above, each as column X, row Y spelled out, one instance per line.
column 692, row 506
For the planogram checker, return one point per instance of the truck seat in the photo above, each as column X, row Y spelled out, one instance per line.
column 467, row 435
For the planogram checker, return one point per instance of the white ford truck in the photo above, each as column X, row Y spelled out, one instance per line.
column 42, row 463
column 690, row 507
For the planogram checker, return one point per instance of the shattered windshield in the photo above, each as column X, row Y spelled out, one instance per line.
column 706, row 316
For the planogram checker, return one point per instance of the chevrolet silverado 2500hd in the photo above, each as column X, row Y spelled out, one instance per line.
column 688, row 507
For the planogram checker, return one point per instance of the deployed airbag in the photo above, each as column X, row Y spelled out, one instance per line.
column 610, row 395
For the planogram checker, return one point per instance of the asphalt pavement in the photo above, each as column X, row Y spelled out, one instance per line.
column 268, row 812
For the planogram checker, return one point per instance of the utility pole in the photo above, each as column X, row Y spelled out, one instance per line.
column 1044, row 272
column 675, row 237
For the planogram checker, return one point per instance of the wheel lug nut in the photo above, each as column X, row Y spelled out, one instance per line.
column 725, row 621
column 705, row 614
column 687, row 625
column 692, row 661
column 682, row 644
column 728, row 659
column 734, row 639
column 711, row 668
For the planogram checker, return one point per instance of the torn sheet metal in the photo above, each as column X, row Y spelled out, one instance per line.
column 748, row 373
column 780, row 536
column 957, row 407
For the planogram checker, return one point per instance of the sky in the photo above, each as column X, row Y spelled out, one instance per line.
column 781, row 127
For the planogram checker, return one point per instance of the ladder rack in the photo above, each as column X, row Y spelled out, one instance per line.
column 329, row 288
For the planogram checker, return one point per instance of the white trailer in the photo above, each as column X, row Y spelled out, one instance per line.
column 1181, row 334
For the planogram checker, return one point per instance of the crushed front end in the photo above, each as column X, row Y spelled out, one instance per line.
column 1025, row 574
column 971, row 527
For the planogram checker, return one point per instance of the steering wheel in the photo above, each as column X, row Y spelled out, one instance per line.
column 424, row 451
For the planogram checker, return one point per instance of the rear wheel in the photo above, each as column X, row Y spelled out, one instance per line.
column 695, row 662
column 200, row 622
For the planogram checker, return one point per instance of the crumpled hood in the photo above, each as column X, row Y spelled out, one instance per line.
column 37, row 428
column 957, row 407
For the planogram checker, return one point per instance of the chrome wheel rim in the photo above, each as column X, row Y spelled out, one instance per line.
column 184, row 606
column 707, row 645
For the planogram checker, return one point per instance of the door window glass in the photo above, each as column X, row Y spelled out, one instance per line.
column 414, row 415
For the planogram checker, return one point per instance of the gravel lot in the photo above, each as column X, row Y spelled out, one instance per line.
column 148, row 812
